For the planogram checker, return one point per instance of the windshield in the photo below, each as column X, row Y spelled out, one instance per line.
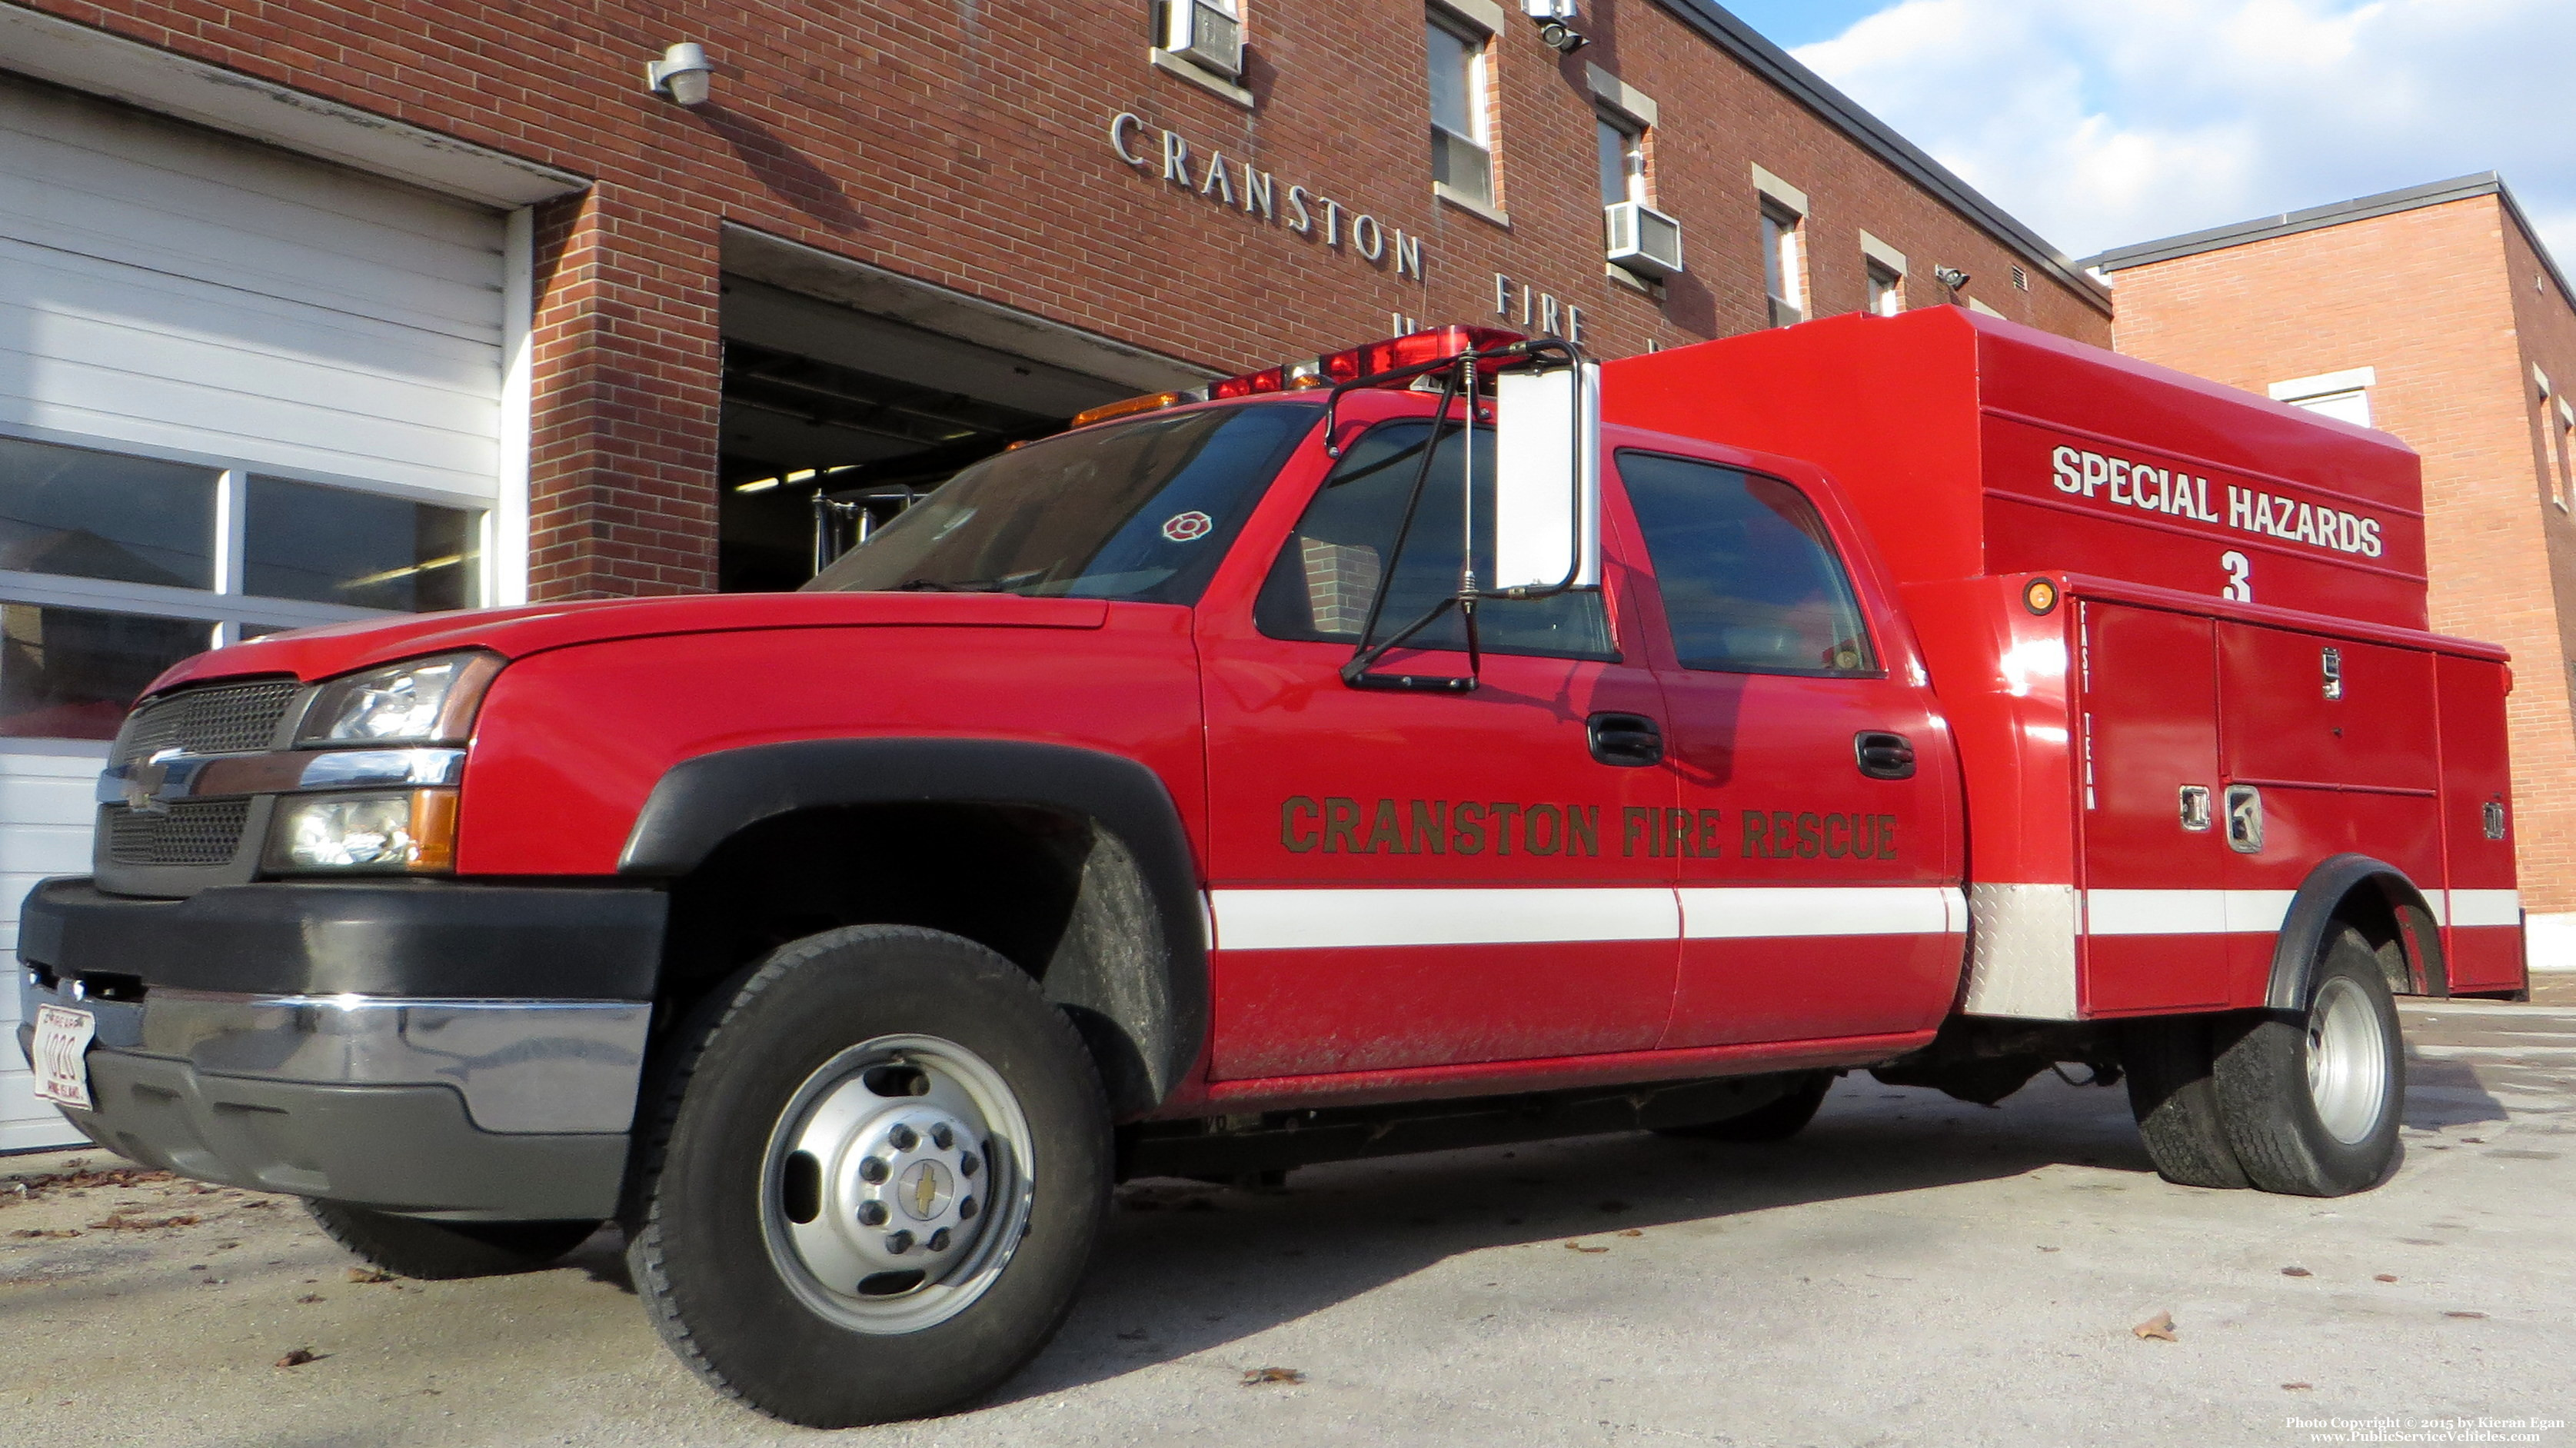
column 1142, row 511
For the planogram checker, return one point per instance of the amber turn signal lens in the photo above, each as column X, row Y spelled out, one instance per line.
column 1108, row 410
column 2039, row 595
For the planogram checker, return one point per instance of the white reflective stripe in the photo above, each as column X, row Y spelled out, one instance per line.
column 2486, row 907
column 1753, row 912
column 1321, row 919
column 2185, row 912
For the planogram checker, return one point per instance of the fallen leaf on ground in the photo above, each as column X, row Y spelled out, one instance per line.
column 2474, row 1140
column 1255, row 1377
column 258, row 1206
column 46, row 1232
column 119, row 1222
column 2299, row 1387
column 1631, row 1232
column 369, row 1274
column 1579, row 1247
column 2160, row 1326
column 2048, row 1249
column 299, row 1358
column 2464, row 1314
column 310, row 1297
column 2296, row 1272
column 2385, row 1277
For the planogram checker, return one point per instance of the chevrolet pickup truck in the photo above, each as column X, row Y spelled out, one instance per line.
column 1450, row 740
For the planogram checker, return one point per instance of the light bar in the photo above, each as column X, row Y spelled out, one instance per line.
column 1417, row 349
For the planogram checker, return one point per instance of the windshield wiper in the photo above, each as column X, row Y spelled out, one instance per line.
column 933, row 585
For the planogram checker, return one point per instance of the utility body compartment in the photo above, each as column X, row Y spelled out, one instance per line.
column 2228, row 683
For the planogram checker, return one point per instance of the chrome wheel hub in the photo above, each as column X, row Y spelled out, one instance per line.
column 2347, row 1062
column 897, row 1183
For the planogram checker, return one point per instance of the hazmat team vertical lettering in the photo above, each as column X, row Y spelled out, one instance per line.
column 1341, row 825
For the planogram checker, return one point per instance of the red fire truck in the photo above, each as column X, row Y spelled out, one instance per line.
column 1441, row 742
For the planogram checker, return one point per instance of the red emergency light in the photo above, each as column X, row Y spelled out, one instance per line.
column 1369, row 359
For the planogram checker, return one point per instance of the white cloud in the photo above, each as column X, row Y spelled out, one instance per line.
column 2107, row 123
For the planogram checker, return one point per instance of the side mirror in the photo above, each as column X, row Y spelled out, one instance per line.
column 1547, row 479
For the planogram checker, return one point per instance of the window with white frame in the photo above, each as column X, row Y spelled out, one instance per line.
column 1783, row 269
column 1623, row 159
column 1462, row 148
column 114, row 567
column 1886, row 290
column 2565, row 483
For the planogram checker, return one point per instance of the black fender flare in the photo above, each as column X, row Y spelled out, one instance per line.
column 705, row 801
column 2314, row 907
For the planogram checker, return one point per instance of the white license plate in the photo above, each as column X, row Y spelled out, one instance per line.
column 62, row 1048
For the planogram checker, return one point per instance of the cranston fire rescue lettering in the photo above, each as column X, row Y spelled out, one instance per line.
column 1339, row 825
column 2170, row 490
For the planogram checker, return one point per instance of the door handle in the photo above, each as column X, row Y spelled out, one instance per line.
column 1625, row 741
column 1882, row 755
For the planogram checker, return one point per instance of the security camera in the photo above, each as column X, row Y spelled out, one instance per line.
column 1950, row 277
column 1560, row 37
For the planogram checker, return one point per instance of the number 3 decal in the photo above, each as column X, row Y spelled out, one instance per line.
column 2240, row 576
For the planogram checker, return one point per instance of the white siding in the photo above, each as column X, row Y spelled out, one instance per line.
column 175, row 291
column 168, row 287
column 45, row 809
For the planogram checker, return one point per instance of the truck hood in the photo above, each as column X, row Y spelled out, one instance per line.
column 319, row 653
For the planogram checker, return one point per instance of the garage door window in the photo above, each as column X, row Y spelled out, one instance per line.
column 114, row 567
column 87, row 514
column 332, row 545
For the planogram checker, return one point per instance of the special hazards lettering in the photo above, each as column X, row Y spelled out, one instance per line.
column 2153, row 489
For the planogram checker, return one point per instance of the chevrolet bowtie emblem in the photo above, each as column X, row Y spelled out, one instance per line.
column 145, row 781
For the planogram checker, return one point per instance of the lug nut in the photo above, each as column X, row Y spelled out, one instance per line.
column 872, row 1171
column 904, row 1138
column 939, row 1240
column 971, row 1165
column 942, row 1137
column 899, row 1242
column 872, row 1214
column 966, row 1209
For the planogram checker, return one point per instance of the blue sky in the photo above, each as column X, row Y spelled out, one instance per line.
column 2103, row 122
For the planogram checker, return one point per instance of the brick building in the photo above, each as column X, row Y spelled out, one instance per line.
column 316, row 308
column 2433, row 313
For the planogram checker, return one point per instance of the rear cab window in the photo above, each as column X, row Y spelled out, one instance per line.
column 1749, row 576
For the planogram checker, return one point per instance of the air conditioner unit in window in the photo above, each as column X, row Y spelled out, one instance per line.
column 1206, row 34
column 1644, row 240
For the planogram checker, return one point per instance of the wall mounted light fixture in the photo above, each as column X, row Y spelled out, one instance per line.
column 681, row 74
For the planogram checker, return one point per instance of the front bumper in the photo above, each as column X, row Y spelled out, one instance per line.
column 469, row 1051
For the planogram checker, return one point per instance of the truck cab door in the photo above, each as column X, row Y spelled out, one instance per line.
column 1816, row 830
column 1410, row 879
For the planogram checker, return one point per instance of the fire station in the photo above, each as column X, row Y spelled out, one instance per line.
column 322, row 310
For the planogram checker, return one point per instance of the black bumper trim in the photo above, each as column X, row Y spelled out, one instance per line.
column 398, row 1148
column 412, row 938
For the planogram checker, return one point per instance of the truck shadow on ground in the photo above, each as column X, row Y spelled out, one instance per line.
column 1185, row 1267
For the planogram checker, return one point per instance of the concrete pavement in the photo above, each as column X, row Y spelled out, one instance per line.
column 1912, row 1270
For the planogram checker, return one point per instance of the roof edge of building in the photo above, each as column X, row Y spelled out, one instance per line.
column 2337, row 213
column 1814, row 92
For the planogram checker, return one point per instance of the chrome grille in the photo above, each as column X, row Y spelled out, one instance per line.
column 224, row 719
column 194, row 832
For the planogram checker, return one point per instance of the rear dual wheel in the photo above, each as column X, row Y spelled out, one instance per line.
column 873, row 1181
column 2302, row 1102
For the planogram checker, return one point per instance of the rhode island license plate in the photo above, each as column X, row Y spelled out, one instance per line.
column 62, row 1049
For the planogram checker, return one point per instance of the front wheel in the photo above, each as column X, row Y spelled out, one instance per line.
column 2311, row 1099
column 875, row 1179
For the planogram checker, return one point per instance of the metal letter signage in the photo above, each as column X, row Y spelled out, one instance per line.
column 1236, row 187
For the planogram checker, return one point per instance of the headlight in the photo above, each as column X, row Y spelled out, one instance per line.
column 426, row 701
column 414, row 831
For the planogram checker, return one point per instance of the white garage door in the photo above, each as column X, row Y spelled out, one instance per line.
column 239, row 390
